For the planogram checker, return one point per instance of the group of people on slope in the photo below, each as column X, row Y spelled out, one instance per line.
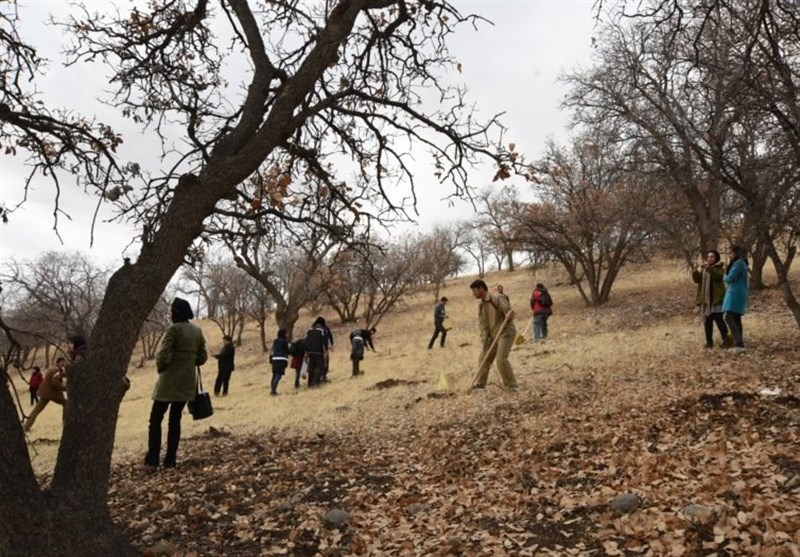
column 496, row 328
column 722, row 293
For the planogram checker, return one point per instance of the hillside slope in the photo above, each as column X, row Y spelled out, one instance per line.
column 621, row 400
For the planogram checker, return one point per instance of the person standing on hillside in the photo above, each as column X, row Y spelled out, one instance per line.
column 439, row 315
column 279, row 358
column 225, row 366
column 501, row 292
column 34, row 383
column 495, row 321
column 52, row 389
column 735, row 302
column 327, row 339
column 183, row 348
column 297, row 351
column 316, row 349
column 708, row 276
column 359, row 340
column 541, row 309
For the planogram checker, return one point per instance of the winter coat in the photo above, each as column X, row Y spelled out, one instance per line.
column 315, row 341
column 225, row 358
column 536, row 306
column 36, row 380
column 53, row 387
column 182, row 350
column 279, row 355
column 714, row 273
column 736, row 295
column 439, row 313
column 491, row 312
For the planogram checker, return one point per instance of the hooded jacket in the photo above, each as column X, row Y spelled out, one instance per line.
column 182, row 350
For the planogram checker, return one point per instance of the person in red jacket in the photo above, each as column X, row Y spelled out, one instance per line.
column 34, row 383
column 542, row 309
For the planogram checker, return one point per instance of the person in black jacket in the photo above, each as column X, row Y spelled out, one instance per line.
column 279, row 358
column 327, row 339
column 224, row 366
column 439, row 315
column 316, row 349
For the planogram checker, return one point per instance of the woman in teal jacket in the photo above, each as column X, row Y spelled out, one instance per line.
column 182, row 350
column 710, row 293
column 735, row 303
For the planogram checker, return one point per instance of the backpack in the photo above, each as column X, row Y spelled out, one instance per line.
column 544, row 299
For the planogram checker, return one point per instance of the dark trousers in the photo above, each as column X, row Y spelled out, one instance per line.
column 439, row 329
column 278, row 369
column 734, row 321
column 34, row 396
column 316, row 367
column 709, row 328
column 356, row 362
column 221, row 384
column 173, row 432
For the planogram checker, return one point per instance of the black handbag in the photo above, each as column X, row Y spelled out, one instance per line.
column 200, row 408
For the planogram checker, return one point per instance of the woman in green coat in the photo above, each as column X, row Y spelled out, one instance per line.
column 710, row 293
column 182, row 350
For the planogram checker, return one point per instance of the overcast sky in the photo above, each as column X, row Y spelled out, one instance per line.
column 511, row 66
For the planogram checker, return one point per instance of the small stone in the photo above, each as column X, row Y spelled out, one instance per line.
column 415, row 508
column 700, row 513
column 336, row 517
column 625, row 503
column 792, row 483
column 162, row 548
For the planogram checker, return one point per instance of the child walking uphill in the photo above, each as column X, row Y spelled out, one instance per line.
column 279, row 358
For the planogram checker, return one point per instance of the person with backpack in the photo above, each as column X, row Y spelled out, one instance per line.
column 542, row 309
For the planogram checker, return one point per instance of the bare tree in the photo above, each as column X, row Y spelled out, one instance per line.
column 495, row 215
column 475, row 243
column 594, row 213
column 391, row 274
column 347, row 85
column 60, row 292
column 226, row 290
column 155, row 326
column 439, row 255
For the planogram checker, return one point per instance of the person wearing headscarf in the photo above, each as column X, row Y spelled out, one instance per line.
column 182, row 350
column 710, row 293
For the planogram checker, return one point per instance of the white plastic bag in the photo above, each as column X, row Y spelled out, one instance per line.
column 304, row 370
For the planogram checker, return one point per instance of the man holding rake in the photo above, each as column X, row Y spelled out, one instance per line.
column 496, row 323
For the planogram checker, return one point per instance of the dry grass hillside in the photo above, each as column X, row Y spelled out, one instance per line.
column 620, row 400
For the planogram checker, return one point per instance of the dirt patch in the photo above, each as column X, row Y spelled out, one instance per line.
column 389, row 383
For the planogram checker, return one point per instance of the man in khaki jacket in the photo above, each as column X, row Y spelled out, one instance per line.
column 51, row 390
column 492, row 313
